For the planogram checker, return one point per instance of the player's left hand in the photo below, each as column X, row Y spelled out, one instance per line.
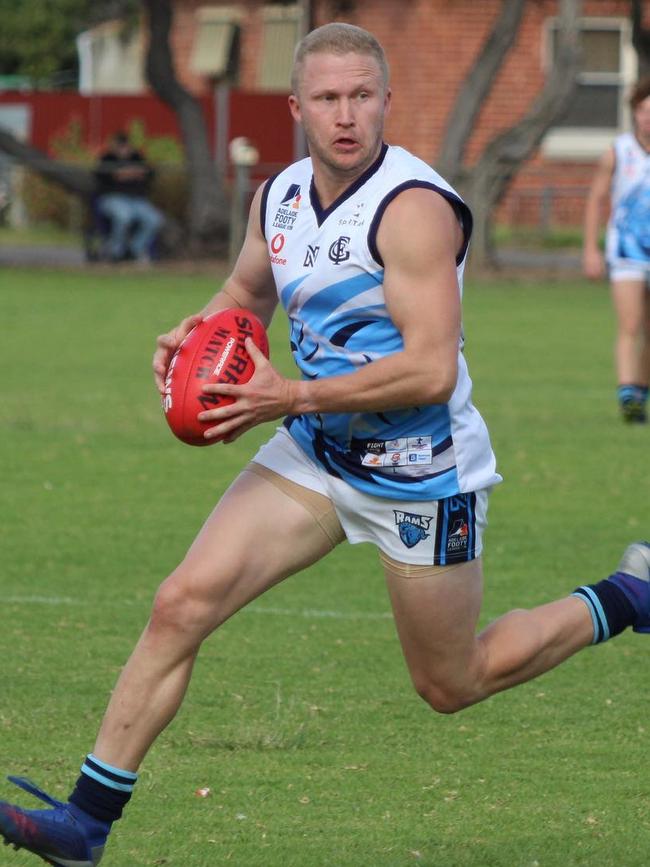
column 265, row 397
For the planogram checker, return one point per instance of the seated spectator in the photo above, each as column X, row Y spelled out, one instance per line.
column 123, row 183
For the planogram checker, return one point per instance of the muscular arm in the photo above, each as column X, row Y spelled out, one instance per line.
column 251, row 282
column 418, row 239
column 593, row 262
column 250, row 285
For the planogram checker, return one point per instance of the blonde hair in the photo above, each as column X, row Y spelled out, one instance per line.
column 338, row 38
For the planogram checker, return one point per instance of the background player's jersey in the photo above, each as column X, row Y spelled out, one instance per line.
column 330, row 275
column 628, row 231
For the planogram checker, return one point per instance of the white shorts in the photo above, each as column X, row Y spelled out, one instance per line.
column 419, row 532
column 625, row 271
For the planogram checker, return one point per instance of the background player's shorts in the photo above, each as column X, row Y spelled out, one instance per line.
column 421, row 532
column 622, row 270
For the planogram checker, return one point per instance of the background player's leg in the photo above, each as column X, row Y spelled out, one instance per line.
column 631, row 351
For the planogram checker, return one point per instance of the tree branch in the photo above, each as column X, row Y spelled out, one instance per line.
column 73, row 178
column 476, row 87
column 640, row 38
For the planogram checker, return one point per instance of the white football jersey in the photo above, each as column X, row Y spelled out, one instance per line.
column 628, row 230
column 329, row 275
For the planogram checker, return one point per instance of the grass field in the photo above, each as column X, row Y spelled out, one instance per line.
column 300, row 718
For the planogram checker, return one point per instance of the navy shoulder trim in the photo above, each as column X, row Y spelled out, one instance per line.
column 461, row 209
column 263, row 202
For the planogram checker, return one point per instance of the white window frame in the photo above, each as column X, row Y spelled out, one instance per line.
column 216, row 27
column 589, row 143
column 96, row 75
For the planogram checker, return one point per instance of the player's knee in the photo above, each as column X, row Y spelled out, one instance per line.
column 445, row 699
column 178, row 608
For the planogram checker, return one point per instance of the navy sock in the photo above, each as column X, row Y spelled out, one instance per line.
column 102, row 791
column 611, row 611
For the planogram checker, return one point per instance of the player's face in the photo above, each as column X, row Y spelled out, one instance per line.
column 341, row 103
column 642, row 120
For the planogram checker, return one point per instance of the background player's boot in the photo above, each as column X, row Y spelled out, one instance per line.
column 634, row 412
column 63, row 835
column 633, row 577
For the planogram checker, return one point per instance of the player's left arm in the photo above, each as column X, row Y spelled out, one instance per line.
column 418, row 239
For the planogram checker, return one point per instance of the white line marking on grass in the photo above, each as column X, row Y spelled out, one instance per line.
column 40, row 600
column 314, row 613
column 307, row 613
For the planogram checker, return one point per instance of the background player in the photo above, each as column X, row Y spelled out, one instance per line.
column 623, row 178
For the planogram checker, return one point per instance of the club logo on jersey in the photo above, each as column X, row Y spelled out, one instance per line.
column 310, row 256
column 286, row 214
column 338, row 251
column 412, row 528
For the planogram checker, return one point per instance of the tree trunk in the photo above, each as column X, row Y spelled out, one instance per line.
column 476, row 88
column 485, row 184
column 208, row 209
column 640, row 38
column 75, row 179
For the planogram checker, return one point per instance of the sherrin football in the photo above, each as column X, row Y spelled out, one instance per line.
column 213, row 351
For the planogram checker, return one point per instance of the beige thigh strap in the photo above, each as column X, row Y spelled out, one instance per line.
column 319, row 506
column 410, row 570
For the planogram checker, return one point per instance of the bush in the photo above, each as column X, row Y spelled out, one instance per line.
column 47, row 202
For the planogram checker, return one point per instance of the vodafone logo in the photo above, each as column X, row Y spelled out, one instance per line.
column 277, row 243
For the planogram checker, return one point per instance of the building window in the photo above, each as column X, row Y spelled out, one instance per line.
column 217, row 42
column 281, row 30
column 111, row 60
column 598, row 110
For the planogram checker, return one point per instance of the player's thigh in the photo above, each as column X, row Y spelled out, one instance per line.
column 436, row 610
column 258, row 534
column 629, row 299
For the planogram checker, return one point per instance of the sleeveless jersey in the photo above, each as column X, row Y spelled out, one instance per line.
column 628, row 230
column 329, row 275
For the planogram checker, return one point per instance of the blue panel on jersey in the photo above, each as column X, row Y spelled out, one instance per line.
column 328, row 299
column 289, row 289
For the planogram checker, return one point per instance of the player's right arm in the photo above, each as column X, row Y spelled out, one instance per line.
column 250, row 285
column 593, row 262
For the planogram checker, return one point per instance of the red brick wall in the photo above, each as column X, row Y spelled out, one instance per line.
column 430, row 45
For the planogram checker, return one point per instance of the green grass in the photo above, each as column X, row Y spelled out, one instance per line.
column 46, row 234
column 303, row 724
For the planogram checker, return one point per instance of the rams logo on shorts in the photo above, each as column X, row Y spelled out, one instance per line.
column 412, row 528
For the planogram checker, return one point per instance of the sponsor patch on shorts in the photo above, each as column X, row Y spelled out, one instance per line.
column 451, row 529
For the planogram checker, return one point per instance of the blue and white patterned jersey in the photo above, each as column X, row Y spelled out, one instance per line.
column 628, row 231
column 330, row 275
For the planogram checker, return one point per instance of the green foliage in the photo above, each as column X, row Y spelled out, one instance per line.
column 37, row 37
column 47, row 202
column 300, row 717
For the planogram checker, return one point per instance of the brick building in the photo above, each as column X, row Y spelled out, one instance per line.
column 225, row 51
column 431, row 45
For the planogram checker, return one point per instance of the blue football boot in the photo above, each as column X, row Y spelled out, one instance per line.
column 633, row 577
column 64, row 835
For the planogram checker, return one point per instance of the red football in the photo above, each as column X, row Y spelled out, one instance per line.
column 213, row 351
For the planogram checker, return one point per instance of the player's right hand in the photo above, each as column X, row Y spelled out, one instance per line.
column 166, row 346
column 593, row 264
